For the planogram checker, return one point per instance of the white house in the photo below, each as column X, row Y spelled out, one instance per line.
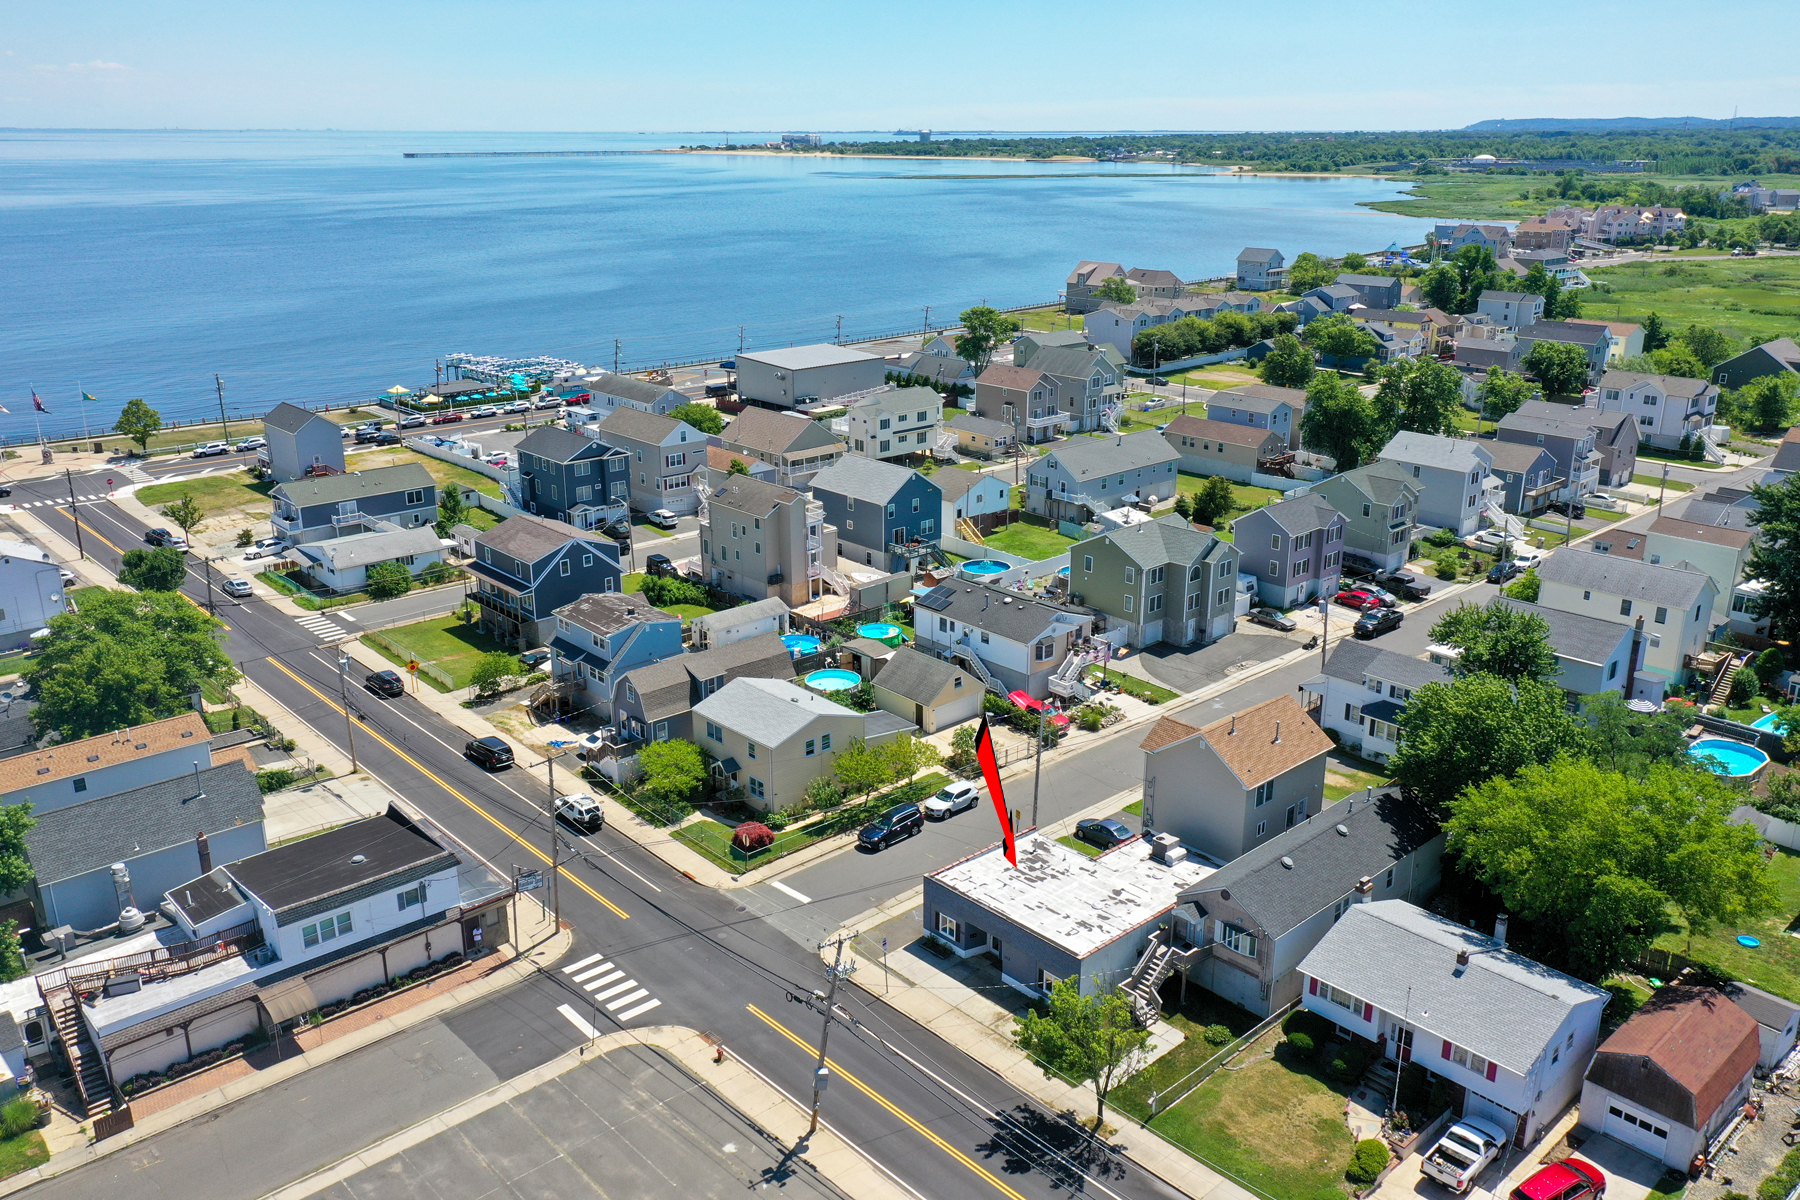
column 1667, row 407
column 1511, row 309
column 31, row 590
column 1511, row 1034
column 1261, row 269
column 1008, row 637
column 891, row 422
column 1361, row 693
column 977, row 497
column 1721, row 550
column 1674, row 602
column 342, row 564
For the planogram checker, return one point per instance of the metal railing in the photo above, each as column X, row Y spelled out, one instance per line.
column 150, row 966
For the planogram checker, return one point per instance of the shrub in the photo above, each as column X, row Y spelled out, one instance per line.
column 1782, row 1180
column 1217, row 1035
column 246, row 537
column 435, row 572
column 18, row 1116
column 1367, row 1161
column 275, row 780
column 1443, row 539
column 662, row 591
column 1414, row 1086
column 1305, row 1021
column 1446, row 569
column 1302, row 1044
column 1439, row 1099
column 1744, row 685
column 1769, row 665
column 824, row 793
column 752, row 836
column 935, row 946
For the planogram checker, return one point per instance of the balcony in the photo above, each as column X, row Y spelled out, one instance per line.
column 1048, row 420
column 499, row 602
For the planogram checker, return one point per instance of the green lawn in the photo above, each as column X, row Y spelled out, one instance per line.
column 81, row 595
column 712, row 839
column 22, row 1153
column 1655, row 481
column 214, row 493
column 1131, row 685
column 1341, row 781
column 1244, row 496
column 1029, row 540
column 1048, row 320
column 442, row 641
column 444, row 473
column 1677, row 460
column 1079, row 846
column 1773, row 966
column 1737, row 296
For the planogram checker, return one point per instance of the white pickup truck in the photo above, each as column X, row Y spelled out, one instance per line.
column 1466, row 1148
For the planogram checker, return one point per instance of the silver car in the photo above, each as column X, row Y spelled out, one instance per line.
column 955, row 798
column 236, row 587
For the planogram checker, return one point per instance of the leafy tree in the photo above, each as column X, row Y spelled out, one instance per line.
column 1526, row 587
column 984, row 329
column 1768, row 402
column 1502, row 393
column 1353, row 261
column 187, row 515
column 15, row 870
column 1477, row 727
column 1117, row 291
column 738, row 467
column 435, row 572
column 1309, row 271
column 1567, row 306
column 1421, row 395
column 1620, row 739
column 1678, row 358
column 1288, row 364
column 124, row 659
column 1709, row 345
column 493, row 672
column 861, row 768
column 703, row 417
column 387, row 580
column 139, row 422
column 1212, row 501
column 1744, row 685
column 157, row 570
column 453, row 510
column 1772, row 557
column 1655, row 335
column 673, row 772
column 1090, row 1038
column 907, row 755
column 1184, row 507
column 1442, row 287
column 1337, row 335
column 12, row 966
column 1596, row 860
column 1497, row 639
column 1340, row 422
column 824, row 793
column 1561, row 367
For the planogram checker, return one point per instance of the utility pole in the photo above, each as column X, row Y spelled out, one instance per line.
column 840, row 329
column 211, row 607
column 344, row 695
column 555, row 850
column 1038, row 769
column 75, row 511
column 615, row 356
column 224, row 425
column 821, row 1074
column 740, row 339
column 1662, row 487
column 927, row 319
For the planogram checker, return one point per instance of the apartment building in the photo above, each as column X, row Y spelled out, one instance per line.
column 760, row 539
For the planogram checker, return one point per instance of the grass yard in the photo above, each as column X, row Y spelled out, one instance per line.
column 1673, row 459
column 81, row 595
column 22, row 1153
column 1656, row 481
column 1737, row 296
column 234, row 490
column 1080, row 847
column 1131, row 685
column 1244, row 496
column 1342, row 780
column 1773, row 966
column 1029, row 540
column 444, row 641
column 1218, row 377
column 1048, row 320
column 444, row 473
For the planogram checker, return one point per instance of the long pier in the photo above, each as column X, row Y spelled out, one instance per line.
column 518, row 153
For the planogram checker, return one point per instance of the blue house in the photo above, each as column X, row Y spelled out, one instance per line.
column 528, row 567
column 600, row 637
column 568, row 476
column 887, row 515
column 329, row 506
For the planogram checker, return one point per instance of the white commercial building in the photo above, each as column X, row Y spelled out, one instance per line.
column 799, row 374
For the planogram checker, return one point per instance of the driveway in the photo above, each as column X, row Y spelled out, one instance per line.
column 1190, row 670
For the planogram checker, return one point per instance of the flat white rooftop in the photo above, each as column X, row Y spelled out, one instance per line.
column 1065, row 897
column 799, row 358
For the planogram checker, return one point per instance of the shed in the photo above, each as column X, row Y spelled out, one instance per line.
column 926, row 690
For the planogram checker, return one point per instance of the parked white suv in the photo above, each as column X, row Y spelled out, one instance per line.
column 582, row 811
column 953, row 799
column 212, row 448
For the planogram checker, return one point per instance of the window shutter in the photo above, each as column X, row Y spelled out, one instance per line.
column 1446, row 1049
column 1368, row 1011
column 1493, row 1069
column 1312, row 985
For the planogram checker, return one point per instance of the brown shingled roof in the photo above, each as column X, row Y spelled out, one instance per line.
column 1223, row 431
column 1681, row 1055
column 1019, row 379
column 1693, row 531
column 1266, row 739
column 104, row 750
column 1166, row 732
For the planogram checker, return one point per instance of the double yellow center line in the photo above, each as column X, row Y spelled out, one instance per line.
column 878, row 1098
column 425, row 771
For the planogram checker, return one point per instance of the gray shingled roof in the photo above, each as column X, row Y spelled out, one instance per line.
column 767, row 711
column 748, row 494
column 1566, row 331
column 626, row 387
column 1769, row 1010
column 1671, row 385
column 641, row 426
column 776, row 432
column 1382, row 482
column 1518, row 457
column 665, row 688
column 1674, row 586
column 971, row 423
column 1550, row 426
column 920, row 677
column 1067, row 362
column 1352, row 661
column 1257, row 254
column 867, row 479
column 1011, row 615
column 1455, row 454
column 291, row 418
column 529, row 538
column 364, row 549
column 1091, row 458
column 1302, row 514
column 1326, row 864
column 355, row 485
column 1259, row 397
column 1400, row 958
column 1364, row 281
column 606, row 613
column 91, row 835
column 559, row 444
column 1574, row 636
column 1580, row 414
column 1168, row 539
column 1712, row 512
column 1045, row 339
column 956, row 484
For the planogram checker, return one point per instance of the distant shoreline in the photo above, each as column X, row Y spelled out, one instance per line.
column 1203, row 168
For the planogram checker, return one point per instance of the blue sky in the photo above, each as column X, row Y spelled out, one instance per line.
column 792, row 64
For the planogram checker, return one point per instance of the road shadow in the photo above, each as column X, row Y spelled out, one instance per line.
column 1026, row 1140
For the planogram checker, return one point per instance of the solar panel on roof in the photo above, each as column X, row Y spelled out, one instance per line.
column 937, row 599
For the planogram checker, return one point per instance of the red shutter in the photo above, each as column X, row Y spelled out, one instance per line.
column 1368, row 1011
column 1493, row 1069
column 1312, row 985
column 1446, row 1049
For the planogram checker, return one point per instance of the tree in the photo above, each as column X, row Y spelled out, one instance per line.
column 12, row 954
column 1655, row 335
column 984, row 329
column 907, row 755
column 1337, row 335
column 1497, row 639
column 1212, row 500
column 1678, row 358
column 1353, row 261
column 1184, row 506
column 738, row 467
column 138, row 421
column 1596, row 860
column 1709, row 345
column 492, row 673
column 1091, row 1038
column 1561, row 367
column 1117, row 291
column 15, row 870
column 1288, row 363
column 862, row 769
column 387, row 580
column 1768, row 402
column 673, row 772
column 1526, row 587
column 1772, row 558
column 125, row 659
column 701, row 416
column 1442, row 287
column 1421, row 395
column 453, row 510
column 1502, row 393
column 158, row 570
column 1340, row 422
column 1621, row 739
column 1476, row 727
column 1309, row 271
column 187, row 515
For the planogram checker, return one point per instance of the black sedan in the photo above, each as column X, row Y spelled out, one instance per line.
column 1272, row 618
column 385, row 683
column 1105, row 833
column 1374, row 624
column 1504, row 570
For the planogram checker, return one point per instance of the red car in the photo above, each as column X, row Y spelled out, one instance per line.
column 1570, row 1179
column 449, row 418
column 1358, row 599
column 1024, row 701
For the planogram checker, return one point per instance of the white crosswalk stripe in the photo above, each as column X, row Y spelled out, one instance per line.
column 639, row 1011
column 590, row 973
column 601, row 982
column 576, row 966
column 605, row 983
column 135, row 473
column 615, row 989
column 320, row 627
column 628, row 999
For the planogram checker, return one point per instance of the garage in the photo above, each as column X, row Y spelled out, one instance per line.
column 1477, row 1105
column 1640, row 1131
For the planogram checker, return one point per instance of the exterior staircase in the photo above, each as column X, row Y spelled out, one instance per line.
column 964, row 651
column 1067, row 681
column 1721, row 688
column 85, row 1062
column 834, row 580
column 1504, row 521
column 968, row 531
column 1159, row 961
column 1380, row 1077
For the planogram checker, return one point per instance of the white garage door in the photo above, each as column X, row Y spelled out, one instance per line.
column 1477, row 1105
column 1639, row 1130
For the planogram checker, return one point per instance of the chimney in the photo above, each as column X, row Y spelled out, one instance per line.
column 1234, row 724
column 1500, row 929
column 205, row 849
column 1278, row 733
column 1462, row 958
column 1365, row 889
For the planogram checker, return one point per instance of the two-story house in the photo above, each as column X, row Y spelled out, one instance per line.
column 1511, row 310
column 1084, row 476
column 1626, row 338
column 1209, row 447
column 1592, row 655
column 1780, row 357
column 301, row 443
column 66, row 773
column 1527, row 475
column 1616, row 436
column 668, row 459
column 1155, row 284
column 1667, row 407
column 607, row 391
column 1031, row 341
column 328, row 506
column 1022, row 399
column 1481, row 354
column 1594, row 341
column 1261, row 269
column 1336, row 297
column 1089, row 381
column 1294, row 549
column 760, row 539
column 1079, row 287
column 655, row 702
column 1453, row 236
column 795, row 445
column 773, row 737
column 1230, row 785
column 1380, row 503
column 1377, row 291
column 1721, row 550
column 603, row 635
column 1455, row 477
column 527, row 567
column 1013, row 641
column 887, row 515
column 977, row 497
column 891, row 422
column 1361, row 692
column 32, row 588
column 570, row 477
column 1261, row 914
column 1261, row 406
column 1570, row 442
column 1162, row 581
column 1675, row 602
column 1509, row 1035
column 1116, row 325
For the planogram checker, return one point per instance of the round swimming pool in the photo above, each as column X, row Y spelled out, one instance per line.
column 983, row 569
column 1063, row 572
column 1771, row 722
column 1724, row 757
column 799, row 644
column 833, row 681
column 881, row 631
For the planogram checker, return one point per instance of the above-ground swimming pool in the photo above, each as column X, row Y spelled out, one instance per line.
column 1062, row 572
column 800, row 644
column 1770, row 722
column 1733, row 759
column 833, row 681
column 981, row 570
column 881, row 631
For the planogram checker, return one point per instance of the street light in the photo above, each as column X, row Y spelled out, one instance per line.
column 344, row 695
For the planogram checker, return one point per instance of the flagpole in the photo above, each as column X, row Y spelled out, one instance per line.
column 85, row 435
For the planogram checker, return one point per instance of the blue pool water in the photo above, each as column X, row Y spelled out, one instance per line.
column 984, row 568
column 799, row 644
column 833, row 681
column 880, row 631
column 1771, row 722
column 1728, row 758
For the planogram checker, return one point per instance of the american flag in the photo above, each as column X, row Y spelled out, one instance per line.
column 37, row 403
